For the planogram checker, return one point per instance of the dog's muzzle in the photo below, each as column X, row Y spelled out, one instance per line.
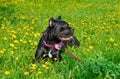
column 65, row 38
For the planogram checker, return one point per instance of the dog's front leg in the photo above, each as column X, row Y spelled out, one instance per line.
column 38, row 55
column 58, row 56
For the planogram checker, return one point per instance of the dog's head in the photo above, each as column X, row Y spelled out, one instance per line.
column 59, row 30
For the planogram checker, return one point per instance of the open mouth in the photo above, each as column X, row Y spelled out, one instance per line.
column 62, row 38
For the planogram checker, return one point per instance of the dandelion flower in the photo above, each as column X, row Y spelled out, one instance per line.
column 6, row 72
column 46, row 67
column 23, row 17
column 5, row 38
column 3, row 26
column 17, row 58
column 16, row 41
column 15, row 47
column 26, row 73
column 12, row 45
column 4, row 49
column 33, row 68
column 1, row 51
column 35, row 43
column 13, row 36
column 31, row 44
column 111, row 39
column 43, row 65
column 35, row 35
column 26, row 27
column 32, row 22
column 29, row 41
column 12, row 52
column 12, row 31
column 115, row 44
column 33, row 65
column 39, row 72
column 21, row 40
column 55, row 59
column 47, row 63
column 90, row 47
column 24, row 41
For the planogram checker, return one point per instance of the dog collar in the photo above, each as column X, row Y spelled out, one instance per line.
column 57, row 46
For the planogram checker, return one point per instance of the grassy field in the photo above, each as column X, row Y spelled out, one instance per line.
column 97, row 26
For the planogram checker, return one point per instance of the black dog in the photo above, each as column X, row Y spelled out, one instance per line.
column 57, row 36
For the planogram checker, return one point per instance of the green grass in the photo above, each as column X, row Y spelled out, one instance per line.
column 97, row 26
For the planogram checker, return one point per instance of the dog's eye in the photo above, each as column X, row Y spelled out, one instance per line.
column 62, row 28
column 65, row 26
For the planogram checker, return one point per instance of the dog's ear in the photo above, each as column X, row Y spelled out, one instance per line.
column 51, row 22
column 58, row 18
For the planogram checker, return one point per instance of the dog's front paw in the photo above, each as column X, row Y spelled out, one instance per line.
column 74, row 42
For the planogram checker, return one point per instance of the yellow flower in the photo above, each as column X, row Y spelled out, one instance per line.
column 32, row 22
column 31, row 44
column 16, row 58
column 33, row 65
column 24, row 42
column 11, row 52
column 13, row 36
column 55, row 59
column 47, row 63
column 26, row 27
column 43, row 65
column 26, row 73
column 16, row 41
column 1, row 51
column 33, row 68
column 12, row 45
column 115, row 44
column 90, row 47
column 23, row 17
column 35, row 35
column 88, row 38
column 46, row 67
column 12, row 31
column 29, row 41
column 39, row 72
column 21, row 40
column 6, row 72
column 4, row 49
column 111, row 39
column 104, row 23
column 15, row 47
column 5, row 38
column 3, row 26
column 35, row 43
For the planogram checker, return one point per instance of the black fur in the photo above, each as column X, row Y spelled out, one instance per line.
column 58, row 31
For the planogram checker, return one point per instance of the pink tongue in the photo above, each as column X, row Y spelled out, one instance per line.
column 64, row 39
